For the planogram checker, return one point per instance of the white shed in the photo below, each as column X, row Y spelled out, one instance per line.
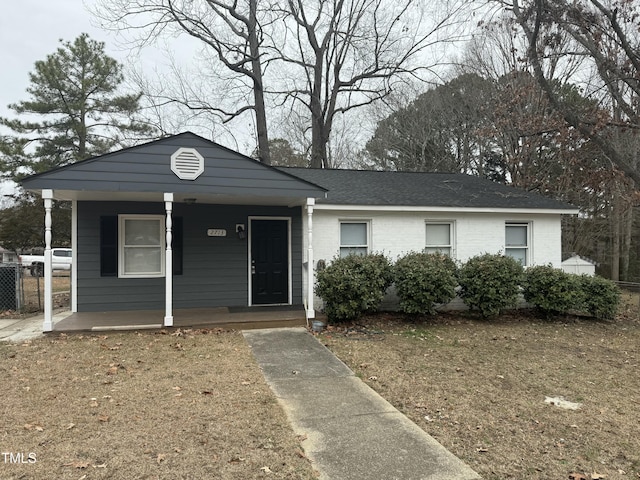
column 577, row 264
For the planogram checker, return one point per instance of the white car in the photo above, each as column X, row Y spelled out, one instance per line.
column 61, row 260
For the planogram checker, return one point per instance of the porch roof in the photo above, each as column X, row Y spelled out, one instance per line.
column 144, row 173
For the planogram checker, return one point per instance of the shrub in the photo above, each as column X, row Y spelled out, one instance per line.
column 490, row 283
column 424, row 279
column 353, row 285
column 601, row 296
column 552, row 290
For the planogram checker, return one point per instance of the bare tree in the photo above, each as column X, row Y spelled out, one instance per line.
column 233, row 34
column 345, row 54
column 604, row 33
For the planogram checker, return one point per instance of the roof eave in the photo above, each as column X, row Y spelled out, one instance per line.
column 427, row 208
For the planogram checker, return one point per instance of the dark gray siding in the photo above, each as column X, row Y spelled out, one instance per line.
column 147, row 168
column 215, row 268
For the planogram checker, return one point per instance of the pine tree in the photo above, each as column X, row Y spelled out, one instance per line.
column 75, row 111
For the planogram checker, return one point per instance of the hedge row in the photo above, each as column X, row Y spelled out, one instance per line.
column 355, row 284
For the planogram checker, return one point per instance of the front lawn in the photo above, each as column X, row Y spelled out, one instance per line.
column 183, row 405
column 479, row 388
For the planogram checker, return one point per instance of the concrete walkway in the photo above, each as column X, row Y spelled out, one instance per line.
column 351, row 432
column 20, row 329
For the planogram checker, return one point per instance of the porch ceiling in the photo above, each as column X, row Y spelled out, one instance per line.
column 200, row 198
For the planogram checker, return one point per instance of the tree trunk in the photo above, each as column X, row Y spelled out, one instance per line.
column 626, row 244
column 615, row 241
column 258, row 88
column 318, row 146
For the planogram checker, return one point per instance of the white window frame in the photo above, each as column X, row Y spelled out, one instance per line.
column 121, row 245
column 367, row 246
column 452, row 236
column 527, row 247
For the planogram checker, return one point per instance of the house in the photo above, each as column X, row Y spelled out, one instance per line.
column 7, row 256
column 182, row 223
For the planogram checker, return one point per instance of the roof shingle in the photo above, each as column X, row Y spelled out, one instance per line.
column 367, row 187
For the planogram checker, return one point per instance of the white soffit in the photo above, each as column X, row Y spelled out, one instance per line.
column 187, row 163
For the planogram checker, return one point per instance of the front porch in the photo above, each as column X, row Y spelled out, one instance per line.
column 241, row 318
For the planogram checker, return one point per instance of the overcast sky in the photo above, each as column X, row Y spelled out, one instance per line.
column 30, row 30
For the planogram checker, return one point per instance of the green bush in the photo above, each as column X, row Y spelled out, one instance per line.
column 353, row 285
column 424, row 279
column 490, row 283
column 552, row 290
column 601, row 296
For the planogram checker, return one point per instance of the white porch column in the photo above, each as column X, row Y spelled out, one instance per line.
column 168, row 263
column 47, row 326
column 311, row 313
column 74, row 260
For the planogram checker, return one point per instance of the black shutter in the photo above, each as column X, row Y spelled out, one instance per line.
column 109, row 246
column 176, row 245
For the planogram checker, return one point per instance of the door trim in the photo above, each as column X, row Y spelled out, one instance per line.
column 250, row 219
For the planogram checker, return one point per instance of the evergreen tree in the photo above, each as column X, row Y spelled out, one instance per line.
column 75, row 111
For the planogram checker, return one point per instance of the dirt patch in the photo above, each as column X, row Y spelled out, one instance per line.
column 186, row 404
column 479, row 388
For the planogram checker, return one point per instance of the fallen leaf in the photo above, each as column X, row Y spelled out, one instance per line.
column 77, row 464
column 266, row 470
column 70, row 426
column 577, row 476
column 102, row 465
column 482, row 450
column 161, row 458
column 597, row 476
column 246, row 383
column 103, row 418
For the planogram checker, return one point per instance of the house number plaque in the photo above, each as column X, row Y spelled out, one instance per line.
column 216, row 232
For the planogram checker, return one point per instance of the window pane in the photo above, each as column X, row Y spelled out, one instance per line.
column 142, row 260
column 353, row 234
column 443, row 250
column 519, row 254
column 516, row 235
column 141, row 232
column 438, row 234
column 346, row 251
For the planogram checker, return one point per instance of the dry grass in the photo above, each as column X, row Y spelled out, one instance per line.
column 187, row 405
column 479, row 388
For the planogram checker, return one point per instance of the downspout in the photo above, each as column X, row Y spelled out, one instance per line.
column 47, row 326
column 311, row 313
column 168, row 263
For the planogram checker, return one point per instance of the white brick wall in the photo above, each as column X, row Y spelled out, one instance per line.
column 397, row 233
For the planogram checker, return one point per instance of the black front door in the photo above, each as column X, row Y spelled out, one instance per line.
column 269, row 262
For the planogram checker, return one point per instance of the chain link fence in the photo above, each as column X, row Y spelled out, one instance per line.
column 11, row 287
column 22, row 292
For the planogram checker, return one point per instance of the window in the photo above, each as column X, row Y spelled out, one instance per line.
column 439, row 238
column 517, row 241
column 109, row 257
column 141, row 246
column 354, row 238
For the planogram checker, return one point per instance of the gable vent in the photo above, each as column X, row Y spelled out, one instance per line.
column 187, row 163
